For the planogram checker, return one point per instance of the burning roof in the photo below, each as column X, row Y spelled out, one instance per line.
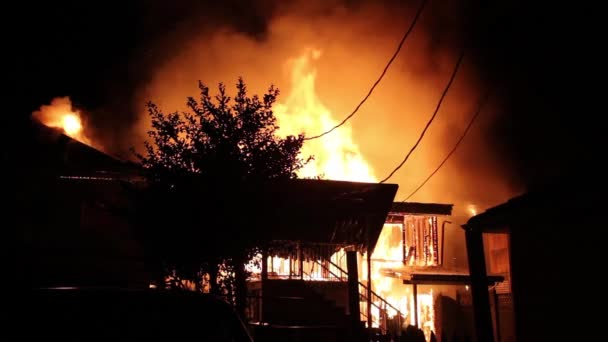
column 52, row 150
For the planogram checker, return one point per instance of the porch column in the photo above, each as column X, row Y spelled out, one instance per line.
column 300, row 260
column 263, row 280
column 369, row 275
column 415, row 292
column 479, row 285
column 264, row 265
column 353, row 287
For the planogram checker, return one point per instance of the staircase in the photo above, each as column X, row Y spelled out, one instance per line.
column 295, row 302
column 384, row 328
column 293, row 310
column 297, row 309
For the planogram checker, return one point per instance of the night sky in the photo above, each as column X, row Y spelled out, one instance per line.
column 543, row 56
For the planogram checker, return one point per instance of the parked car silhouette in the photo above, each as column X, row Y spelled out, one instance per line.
column 93, row 314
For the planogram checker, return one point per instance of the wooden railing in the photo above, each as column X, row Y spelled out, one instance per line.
column 383, row 306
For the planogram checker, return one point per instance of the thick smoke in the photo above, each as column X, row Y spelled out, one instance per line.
column 356, row 40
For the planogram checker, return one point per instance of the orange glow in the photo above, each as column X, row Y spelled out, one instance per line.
column 336, row 156
column 348, row 47
column 71, row 124
column 321, row 87
column 388, row 257
column 426, row 314
column 60, row 114
column 472, row 210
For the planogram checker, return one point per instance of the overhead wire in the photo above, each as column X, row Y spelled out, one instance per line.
column 371, row 90
column 479, row 109
column 439, row 103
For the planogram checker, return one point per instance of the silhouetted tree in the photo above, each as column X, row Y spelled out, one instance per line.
column 194, row 212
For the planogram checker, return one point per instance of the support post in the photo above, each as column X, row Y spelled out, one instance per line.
column 264, row 265
column 300, row 261
column 290, row 264
column 263, row 282
column 443, row 239
column 496, row 313
column 369, row 277
column 415, row 291
column 353, row 288
column 479, row 286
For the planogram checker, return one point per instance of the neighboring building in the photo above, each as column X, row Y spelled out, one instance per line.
column 68, row 234
column 407, row 262
column 536, row 241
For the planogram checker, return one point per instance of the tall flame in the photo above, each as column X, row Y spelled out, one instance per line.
column 336, row 156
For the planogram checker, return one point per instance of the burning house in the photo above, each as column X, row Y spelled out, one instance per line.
column 68, row 231
column 334, row 253
column 530, row 240
column 403, row 281
column 332, row 250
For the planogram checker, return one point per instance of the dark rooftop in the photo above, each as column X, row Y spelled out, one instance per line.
column 422, row 208
column 551, row 201
column 47, row 148
column 446, row 279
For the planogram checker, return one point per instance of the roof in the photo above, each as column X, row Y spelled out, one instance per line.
column 446, row 279
column 48, row 148
column 324, row 210
column 308, row 210
column 545, row 202
column 422, row 208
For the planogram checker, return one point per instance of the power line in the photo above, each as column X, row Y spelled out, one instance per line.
column 371, row 90
column 445, row 91
column 480, row 106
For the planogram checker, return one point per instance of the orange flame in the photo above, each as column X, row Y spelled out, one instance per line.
column 60, row 114
column 388, row 256
column 472, row 210
column 71, row 124
column 336, row 156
